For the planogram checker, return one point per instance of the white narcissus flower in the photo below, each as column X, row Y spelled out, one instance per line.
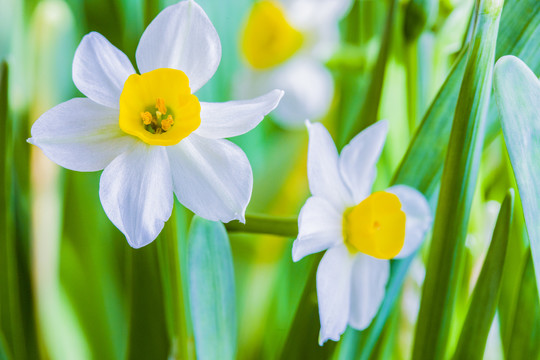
column 285, row 42
column 358, row 229
column 149, row 132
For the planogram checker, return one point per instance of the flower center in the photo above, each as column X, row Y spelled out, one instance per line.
column 158, row 121
column 376, row 226
column 268, row 38
column 158, row 107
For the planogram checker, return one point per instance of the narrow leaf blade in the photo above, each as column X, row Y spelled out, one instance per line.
column 517, row 91
column 212, row 290
column 484, row 300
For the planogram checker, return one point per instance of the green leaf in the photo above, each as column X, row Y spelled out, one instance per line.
column 473, row 337
column 3, row 348
column 517, row 91
column 212, row 290
column 370, row 108
column 169, row 261
column 8, row 266
column 147, row 324
column 457, row 187
column 418, row 15
column 525, row 336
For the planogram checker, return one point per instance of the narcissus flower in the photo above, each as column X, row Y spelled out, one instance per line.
column 285, row 42
column 359, row 230
column 149, row 132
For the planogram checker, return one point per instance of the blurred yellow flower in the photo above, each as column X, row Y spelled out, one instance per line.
column 286, row 43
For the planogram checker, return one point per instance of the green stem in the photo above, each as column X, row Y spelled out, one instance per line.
column 265, row 224
column 169, row 262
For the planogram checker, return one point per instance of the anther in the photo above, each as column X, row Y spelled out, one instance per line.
column 146, row 118
column 160, row 106
column 165, row 125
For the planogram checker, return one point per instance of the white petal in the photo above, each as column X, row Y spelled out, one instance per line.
column 136, row 193
column 309, row 90
column 334, row 292
column 100, row 70
column 313, row 13
column 212, row 178
column 418, row 217
column 369, row 278
column 319, row 228
column 80, row 135
column 233, row 118
column 323, row 169
column 308, row 87
column 358, row 160
column 181, row 37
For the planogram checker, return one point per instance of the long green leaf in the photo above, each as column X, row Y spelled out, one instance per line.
column 9, row 289
column 147, row 331
column 517, row 91
column 169, row 262
column 212, row 290
column 370, row 107
column 525, row 336
column 511, row 281
column 473, row 337
column 457, row 187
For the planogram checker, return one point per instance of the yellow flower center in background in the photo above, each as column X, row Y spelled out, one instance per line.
column 268, row 38
column 376, row 226
column 158, row 107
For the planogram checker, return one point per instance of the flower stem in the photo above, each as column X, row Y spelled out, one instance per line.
column 169, row 262
column 265, row 224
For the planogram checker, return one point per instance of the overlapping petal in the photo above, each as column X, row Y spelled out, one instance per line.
column 320, row 227
column 181, row 37
column 136, row 193
column 369, row 278
column 100, row 70
column 323, row 168
column 80, row 135
column 358, row 160
column 418, row 217
column 212, row 178
column 233, row 118
column 333, row 292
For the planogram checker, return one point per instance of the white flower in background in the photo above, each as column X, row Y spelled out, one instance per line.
column 359, row 230
column 149, row 132
column 285, row 42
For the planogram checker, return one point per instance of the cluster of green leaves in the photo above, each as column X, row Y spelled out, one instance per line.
column 70, row 287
